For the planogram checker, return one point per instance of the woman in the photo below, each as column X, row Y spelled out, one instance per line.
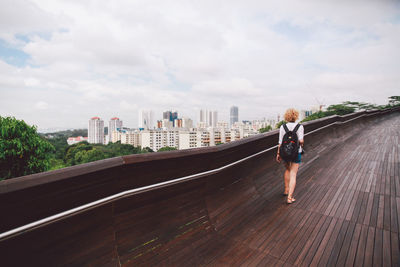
column 291, row 116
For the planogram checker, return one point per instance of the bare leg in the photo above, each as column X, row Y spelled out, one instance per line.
column 292, row 182
column 286, row 178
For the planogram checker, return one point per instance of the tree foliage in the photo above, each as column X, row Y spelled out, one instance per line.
column 340, row 109
column 317, row 115
column 394, row 100
column 22, row 150
column 60, row 144
column 279, row 124
column 348, row 107
column 265, row 129
column 166, row 148
column 84, row 152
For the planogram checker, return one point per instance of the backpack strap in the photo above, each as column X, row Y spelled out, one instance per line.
column 296, row 128
column 285, row 127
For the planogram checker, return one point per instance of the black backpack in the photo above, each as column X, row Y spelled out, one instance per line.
column 290, row 144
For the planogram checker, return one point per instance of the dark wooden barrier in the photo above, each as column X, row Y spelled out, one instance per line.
column 170, row 225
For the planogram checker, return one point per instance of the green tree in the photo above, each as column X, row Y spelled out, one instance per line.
column 123, row 149
column 166, row 148
column 22, row 150
column 394, row 100
column 60, row 144
column 265, row 129
column 72, row 150
column 147, row 150
column 317, row 115
column 341, row 109
column 278, row 125
column 85, row 156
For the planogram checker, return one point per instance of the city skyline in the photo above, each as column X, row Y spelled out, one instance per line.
column 63, row 61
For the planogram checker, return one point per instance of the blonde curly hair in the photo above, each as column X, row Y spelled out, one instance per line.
column 291, row 115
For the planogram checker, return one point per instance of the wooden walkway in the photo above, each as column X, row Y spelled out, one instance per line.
column 347, row 212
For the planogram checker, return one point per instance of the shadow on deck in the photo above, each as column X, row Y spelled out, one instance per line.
column 347, row 210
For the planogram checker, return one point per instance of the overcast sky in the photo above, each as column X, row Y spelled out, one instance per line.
column 62, row 62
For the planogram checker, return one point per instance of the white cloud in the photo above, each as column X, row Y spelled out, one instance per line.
column 41, row 105
column 112, row 58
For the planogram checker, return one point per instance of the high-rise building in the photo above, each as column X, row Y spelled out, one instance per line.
column 187, row 123
column 214, row 118
column 170, row 115
column 234, row 115
column 178, row 123
column 113, row 125
column 203, row 115
column 146, row 119
column 210, row 118
column 96, row 131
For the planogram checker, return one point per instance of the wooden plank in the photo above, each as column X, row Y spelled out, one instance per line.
column 381, row 210
column 354, row 207
column 298, row 240
column 378, row 248
column 398, row 213
column 275, row 241
column 309, row 239
column 386, row 213
column 344, row 250
column 360, row 255
column 369, row 247
column 266, row 235
column 358, row 216
column 351, row 253
column 393, row 215
column 337, row 245
column 392, row 186
column 375, row 209
column 328, row 226
column 386, row 249
column 322, row 255
column 368, row 212
column 344, row 207
column 395, row 249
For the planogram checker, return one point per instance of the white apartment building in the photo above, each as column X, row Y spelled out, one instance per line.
column 115, row 136
column 189, row 139
column 182, row 138
column 131, row 138
column 201, row 125
column 222, row 125
column 114, row 124
column 96, row 131
column 156, row 139
column 205, row 138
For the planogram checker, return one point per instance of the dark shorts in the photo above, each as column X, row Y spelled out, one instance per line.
column 298, row 159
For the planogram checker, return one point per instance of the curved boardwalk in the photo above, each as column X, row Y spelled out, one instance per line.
column 347, row 211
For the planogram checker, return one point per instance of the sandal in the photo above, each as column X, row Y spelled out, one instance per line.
column 285, row 194
column 290, row 200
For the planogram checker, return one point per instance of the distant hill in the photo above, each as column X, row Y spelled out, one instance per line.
column 66, row 133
